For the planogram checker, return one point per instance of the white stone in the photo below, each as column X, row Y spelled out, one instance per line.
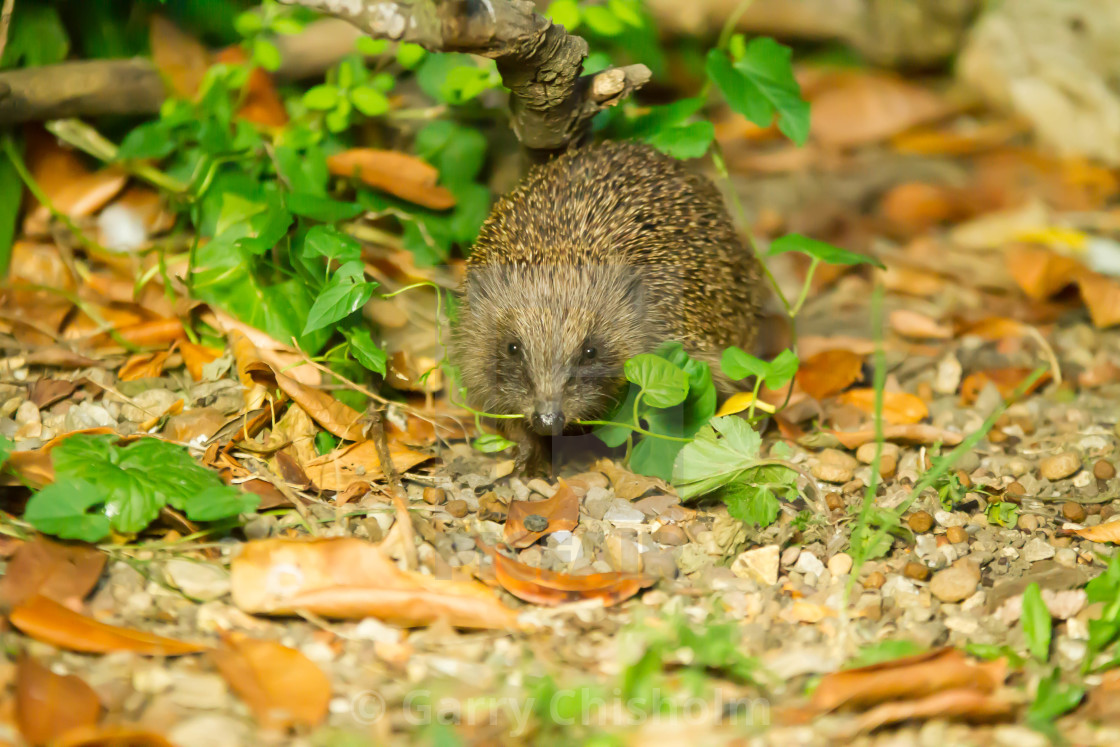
column 759, row 564
column 807, row 562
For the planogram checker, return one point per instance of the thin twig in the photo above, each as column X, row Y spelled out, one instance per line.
column 5, row 23
column 396, row 488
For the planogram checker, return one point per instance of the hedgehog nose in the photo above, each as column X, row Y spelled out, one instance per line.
column 547, row 419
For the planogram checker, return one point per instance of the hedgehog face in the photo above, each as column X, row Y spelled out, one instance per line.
column 549, row 343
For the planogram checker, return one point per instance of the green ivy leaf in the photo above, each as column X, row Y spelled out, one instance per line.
column 329, row 242
column 248, row 23
column 367, row 45
column 266, row 54
column 565, row 13
column 627, row 11
column 492, row 442
column 754, row 505
column 287, row 26
column 338, row 119
column 318, row 207
column 465, row 83
column 365, row 351
column 761, row 84
column 1052, row 699
column 684, row 141
column 738, row 364
column 1036, row 623
column 820, row 250
column 36, row 37
column 322, row 97
column 663, row 383
column 782, row 369
column 368, row 101
column 221, row 503
column 721, row 453
column 410, row 55
column 346, row 292
column 61, row 509
column 602, row 20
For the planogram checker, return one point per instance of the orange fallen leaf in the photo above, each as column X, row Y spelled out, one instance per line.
column 45, row 392
column 899, row 408
column 856, row 108
column 540, row 586
column 1107, row 532
column 912, row 433
column 144, row 334
column 180, row 58
column 399, row 174
column 144, row 366
column 50, row 705
column 46, row 620
column 964, row 704
column 174, row 408
column 110, row 736
column 913, row 208
column 64, row 572
column 260, row 103
column 993, row 328
column 197, row 356
column 1006, row 380
column 349, row 578
column 911, row 282
column 1041, row 273
column 909, row 323
column 33, row 466
column 63, row 177
column 628, row 485
column 282, row 687
column 829, row 372
column 909, row 677
column 957, row 142
column 358, row 462
column 1101, row 294
column 337, row 417
column 561, row 511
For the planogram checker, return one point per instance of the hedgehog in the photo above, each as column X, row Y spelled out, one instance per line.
column 599, row 255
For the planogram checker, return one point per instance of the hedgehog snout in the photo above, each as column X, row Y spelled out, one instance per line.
column 547, row 419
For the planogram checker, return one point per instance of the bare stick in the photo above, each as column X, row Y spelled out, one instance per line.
column 396, row 489
column 540, row 63
column 5, row 23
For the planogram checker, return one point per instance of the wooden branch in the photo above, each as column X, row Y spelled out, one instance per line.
column 540, row 63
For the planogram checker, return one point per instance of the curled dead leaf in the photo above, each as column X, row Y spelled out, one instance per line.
column 1041, row 273
column 561, row 512
column 358, row 462
column 626, row 484
column 337, row 417
column 913, row 433
column 399, row 174
column 46, row 620
column 1006, row 381
column 195, row 357
column 1101, row 294
column 910, row 323
column 540, row 586
column 144, row 366
column 48, row 706
column 64, row 572
column 282, row 687
column 348, row 578
column 899, row 408
column 963, row 704
column 260, row 103
column 829, row 372
column 1107, row 532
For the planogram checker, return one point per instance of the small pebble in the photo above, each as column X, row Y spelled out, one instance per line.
column 1073, row 511
column 1104, row 470
column 874, row 580
column 839, row 564
column 1014, row 492
column 832, row 473
column 536, row 523
column 920, row 521
column 835, row 501
column 457, row 508
column 1027, row 522
column 957, row 582
column 956, row 535
column 916, row 571
column 670, row 534
column 434, row 496
column 1060, row 466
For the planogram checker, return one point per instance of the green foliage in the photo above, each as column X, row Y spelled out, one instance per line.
column 1002, row 513
column 776, row 374
column 11, row 194
column 100, row 486
column 883, row 651
column 1052, row 699
column 492, row 442
column 759, row 84
column 1036, row 623
column 36, row 37
column 1105, row 629
column 820, row 251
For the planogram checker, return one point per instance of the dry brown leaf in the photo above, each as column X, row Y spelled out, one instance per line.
column 561, row 511
column 197, row 356
column 910, row 281
column 626, row 484
column 1012, row 176
column 282, row 687
column 913, row 208
column 909, row 323
column 1101, row 294
column 403, row 372
column 62, row 572
column 1107, row 532
column 46, row 620
column 180, row 58
column 260, row 103
column 915, row 433
column 899, row 408
column 1006, row 380
column 399, row 174
column 45, row 392
column 111, row 736
column 338, row 418
column 952, row 141
column 829, row 372
column 245, row 355
column 540, row 586
column 348, row 578
column 1041, row 273
column 909, row 677
column 50, row 705
column 965, row 704
column 856, row 108
column 33, row 466
column 62, row 176
column 144, row 366
column 358, row 462
column 993, row 328
column 276, row 354
column 143, row 334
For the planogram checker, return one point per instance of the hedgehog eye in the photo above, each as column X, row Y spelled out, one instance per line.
column 514, row 349
column 589, row 352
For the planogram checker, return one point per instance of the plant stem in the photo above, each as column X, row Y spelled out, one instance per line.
column 805, row 288
column 642, row 431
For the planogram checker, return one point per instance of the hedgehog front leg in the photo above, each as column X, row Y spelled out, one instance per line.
column 534, row 456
